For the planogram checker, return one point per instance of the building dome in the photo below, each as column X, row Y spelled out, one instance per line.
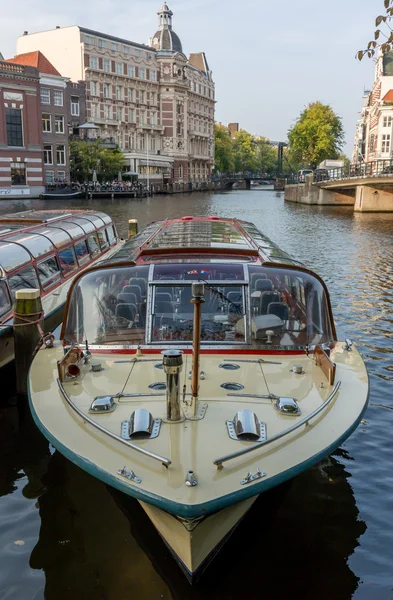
column 165, row 38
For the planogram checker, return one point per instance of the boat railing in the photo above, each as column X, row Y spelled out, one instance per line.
column 164, row 461
column 305, row 421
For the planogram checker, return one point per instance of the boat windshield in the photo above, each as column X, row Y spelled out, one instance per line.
column 243, row 304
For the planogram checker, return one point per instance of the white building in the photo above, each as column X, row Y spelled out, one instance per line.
column 156, row 104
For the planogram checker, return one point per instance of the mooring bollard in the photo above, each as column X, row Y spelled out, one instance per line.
column 132, row 227
column 27, row 313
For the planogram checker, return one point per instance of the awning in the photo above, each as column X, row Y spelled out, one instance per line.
column 155, row 163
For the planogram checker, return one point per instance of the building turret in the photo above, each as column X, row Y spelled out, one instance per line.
column 165, row 39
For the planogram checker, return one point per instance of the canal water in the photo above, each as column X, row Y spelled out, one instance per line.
column 327, row 536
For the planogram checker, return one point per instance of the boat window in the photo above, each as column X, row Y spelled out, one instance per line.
column 67, row 260
column 82, row 252
column 5, row 301
column 75, row 231
column 85, row 224
column 13, row 256
column 48, row 272
column 94, row 248
column 103, row 240
column 110, row 232
column 189, row 271
column 26, row 278
column 57, row 236
column 222, row 311
column 37, row 245
column 108, row 306
column 292, row 304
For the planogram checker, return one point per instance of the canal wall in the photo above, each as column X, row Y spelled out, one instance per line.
column 307, row 193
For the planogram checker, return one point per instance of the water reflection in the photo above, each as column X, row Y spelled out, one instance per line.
column 82, row 541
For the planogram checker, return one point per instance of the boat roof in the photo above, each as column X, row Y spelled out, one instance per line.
column 206, row 239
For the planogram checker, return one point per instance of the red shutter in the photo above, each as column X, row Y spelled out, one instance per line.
column 113, row 66
column 148, row 74
column 125, row 68
column 136, row 72
column 100, row 63
column 87, row 60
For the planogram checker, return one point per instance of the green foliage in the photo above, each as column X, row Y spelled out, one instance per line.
column 317, row 135
column 246, row 155
column 386, row 32
column 224, row 159
column 86, row 157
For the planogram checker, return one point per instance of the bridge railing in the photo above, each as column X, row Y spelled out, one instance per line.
column 374, row 168
column 242, row 175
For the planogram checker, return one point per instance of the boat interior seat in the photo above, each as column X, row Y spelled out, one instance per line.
column 255, row 277
column 262, row 285
column 235, row 296
column 127, row 298
column 133, row 289
column 163, row 297
column 266, row 298
column 163, row 307
column 140, row 282
column 127, row 311
column 280, row 309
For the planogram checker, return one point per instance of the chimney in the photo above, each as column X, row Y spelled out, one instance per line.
column 25, row 33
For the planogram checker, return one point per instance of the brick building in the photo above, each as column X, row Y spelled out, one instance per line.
column 156, row 104
column 21, row 156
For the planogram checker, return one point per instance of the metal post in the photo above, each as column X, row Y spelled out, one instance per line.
column 27, row 312
column 198, row 290
column 147, row 162
column 172, row 361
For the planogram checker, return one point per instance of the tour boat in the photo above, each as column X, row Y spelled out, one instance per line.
column 197, row 369
column 45, row 249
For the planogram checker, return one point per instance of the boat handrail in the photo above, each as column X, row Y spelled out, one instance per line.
column 165, row 461
column 219, row 461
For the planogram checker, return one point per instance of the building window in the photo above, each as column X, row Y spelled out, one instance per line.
column 49, row 177
column 131, row 115
column 101, row 43
column 75, row 106
column 45, row 96
column 107, row 114
column 141, row 142
column 46, row 123
column 93, row 110
column 93, row 88
column 137, row 52
column 387, row 121
column 14, row 127
column 59, row 124
column 119, row 113
column 148, row 55
column 152, row 98
column 107, row 65
column 126, row 49
column 153, row 143
column 130, row 95
column 58, row 99
column 48, row 155
column 119, row 68
column 88, row 39
column 93, row 62
column 60, row 155
column 142, row 73
column 114, row 46
column 386, row 143
column 143, row 116
column 130, row 71
column 18, row 173
column 142, row 97
column 107, row 90
column 61, row 176
column 153, row 75
column 119, row 92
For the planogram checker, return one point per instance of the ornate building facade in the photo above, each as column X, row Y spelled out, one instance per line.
column 374, row 129
column 156, row 104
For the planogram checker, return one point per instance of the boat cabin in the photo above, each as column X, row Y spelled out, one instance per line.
column 43, row 249
column 255, row 295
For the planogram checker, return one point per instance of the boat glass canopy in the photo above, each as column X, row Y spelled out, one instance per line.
column 251, row 305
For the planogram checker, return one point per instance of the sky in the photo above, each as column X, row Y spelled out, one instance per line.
column 269, row 58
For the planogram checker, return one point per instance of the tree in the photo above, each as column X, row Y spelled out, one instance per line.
column 317, row 135
column 86, row 157
column 387, row 38
column 245, row 151
column 223, row 155
column 266, row 155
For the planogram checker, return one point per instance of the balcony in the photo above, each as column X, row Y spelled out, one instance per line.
column 105, row 121
column 149, row 127
column 195, row 133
